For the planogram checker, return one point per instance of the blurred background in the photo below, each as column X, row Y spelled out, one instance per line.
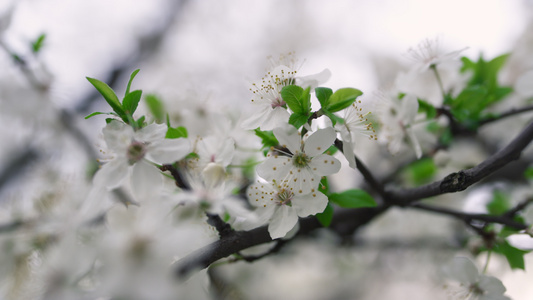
column 209, row 52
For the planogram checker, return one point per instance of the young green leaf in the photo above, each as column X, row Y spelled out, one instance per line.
column 109, row 96
column 325, row 217
column 323, row 187
column 352, row 199
column 156, row 107
column 292, row 95
column 499, row 203
column 98, row 113
column 38, row 44
column 298, row 120
column 178, row 132
column 129, row 82
column 267, row 138
column 425, row 107
column 515, row 257
column 421, row 171
column 342, row 98
column 529, row 173
column 323, row 94
column 131, row 101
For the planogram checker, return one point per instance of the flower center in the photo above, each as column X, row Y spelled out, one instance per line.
column 284, row 197
column 136, row 152
column 278, row 102
column 300, row 160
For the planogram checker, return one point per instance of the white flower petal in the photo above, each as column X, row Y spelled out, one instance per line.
column 145, row 180
column 151, row 133
column 408, row 109
column 462, row 269
column 319, row 141
column 314, row 80
column 282, row 222
column 276, row 117
column 256, row 118
column 118, row 136
column 347, row 151
column 112, row 174
column 168, row 150
column 261, row 194
column 275, row 167
column 288, row 137
column 302, row 180
column 325, row 165
column 310, row 204
column 491, row 285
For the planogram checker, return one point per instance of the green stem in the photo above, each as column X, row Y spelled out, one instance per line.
column 487, row 262
column 439, row 80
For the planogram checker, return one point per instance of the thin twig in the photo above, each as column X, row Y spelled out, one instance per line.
column 468, row 217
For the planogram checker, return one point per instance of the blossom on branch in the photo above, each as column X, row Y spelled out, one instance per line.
column 300, row 169
column 136, row 152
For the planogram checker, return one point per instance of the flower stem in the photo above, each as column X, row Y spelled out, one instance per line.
column 487, row 262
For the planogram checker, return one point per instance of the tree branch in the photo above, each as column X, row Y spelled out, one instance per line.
column 344, row 220
column 461, row 180
column 467, row 217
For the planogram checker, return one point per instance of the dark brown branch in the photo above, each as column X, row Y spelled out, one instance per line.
column 518, row 208
column 345, row 220
column 178, row 178
column 512, row 112
column 467, row 217
column 461, row 180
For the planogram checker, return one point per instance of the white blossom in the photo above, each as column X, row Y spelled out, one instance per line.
column 281, row 207
column 137, row 151
column 302, row 168
column 468, row 284
column 355, row 123
column 397, row 117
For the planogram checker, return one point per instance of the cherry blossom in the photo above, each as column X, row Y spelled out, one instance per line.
column 469, row 284
column 301, row 168
column 278, row 205
column 135, row 152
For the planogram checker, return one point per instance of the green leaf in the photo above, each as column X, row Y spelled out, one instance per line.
column 140, row 122
column 267, row 138
column 331, row 150
column 352, row 199
column 298, row 120
column 342, row 98
column 324, row 186
column 131, row 101
column 515, row 257
column 98, row 113
column 334, row 119
column 109, row 120
column 428, row 109
column 292, row 95
column 38, row 44
column 323, row 94
column 129, row 82
column 178, row 132
column 499, row 203
column 529, row 173
column 156, row 107
column 109, row 96
column 421, row 171
column 325, row 217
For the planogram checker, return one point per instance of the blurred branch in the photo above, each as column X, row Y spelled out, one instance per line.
column 461, row 180
column 506, row 114
column 467, row 217
column 240, row 240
